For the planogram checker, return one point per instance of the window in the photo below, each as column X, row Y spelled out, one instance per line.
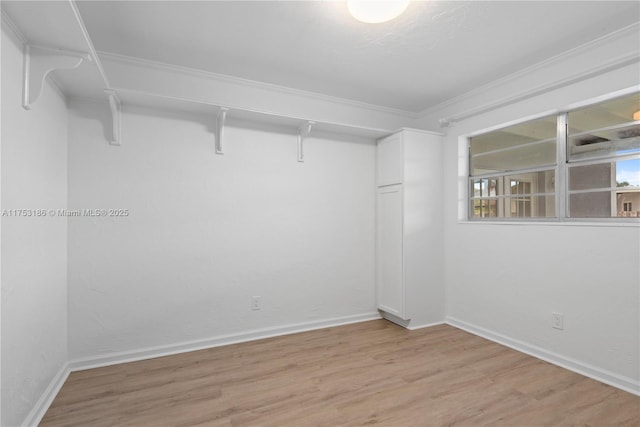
column 603, row 156
column 512, row 171
column 595, row 150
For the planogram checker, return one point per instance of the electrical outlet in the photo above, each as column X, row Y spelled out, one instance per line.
column 557, row 321
column 256, row 303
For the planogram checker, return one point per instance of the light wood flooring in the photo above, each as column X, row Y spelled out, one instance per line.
column 370, row 373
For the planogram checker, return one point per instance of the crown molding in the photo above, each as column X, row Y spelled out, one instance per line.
column 102, row 100
column 565, row 56
column 616, row 63
column 10, row 25
column 161, row 66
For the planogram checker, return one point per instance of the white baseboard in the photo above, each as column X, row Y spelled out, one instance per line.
column 256, row 334
column 426, row 325
column 407, row 323
column 394, row 319
column 624, row 383
column 42, row 405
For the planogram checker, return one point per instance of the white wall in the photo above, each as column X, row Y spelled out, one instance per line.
column 207, row 232
column 182, row 83
column 505, row 280
column 34, row 256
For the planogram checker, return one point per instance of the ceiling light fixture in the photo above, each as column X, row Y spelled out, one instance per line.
column 636, row 115
column 376, row 11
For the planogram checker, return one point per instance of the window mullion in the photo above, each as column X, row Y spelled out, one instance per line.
column 561, row 184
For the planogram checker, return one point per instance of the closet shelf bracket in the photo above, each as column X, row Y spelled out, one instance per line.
column 116, row 113
column 222, row 117
column 38, row 62
column 303, row 133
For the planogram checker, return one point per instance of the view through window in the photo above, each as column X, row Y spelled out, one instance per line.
column 512, row 171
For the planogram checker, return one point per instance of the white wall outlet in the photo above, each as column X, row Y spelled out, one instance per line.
column 256, row 303
column 557, row 320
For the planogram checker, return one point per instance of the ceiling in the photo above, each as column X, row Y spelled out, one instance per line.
column 435, row 51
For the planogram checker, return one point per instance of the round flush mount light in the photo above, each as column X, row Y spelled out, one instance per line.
column 376, row 11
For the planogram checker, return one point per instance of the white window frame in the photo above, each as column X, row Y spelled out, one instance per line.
column 562, row 166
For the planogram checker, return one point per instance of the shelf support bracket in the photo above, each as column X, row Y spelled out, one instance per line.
column 116, row 114
column 303, row 133
column 38, row 62
column 222, row 117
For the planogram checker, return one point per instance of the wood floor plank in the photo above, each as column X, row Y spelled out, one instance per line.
column 370, row 373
